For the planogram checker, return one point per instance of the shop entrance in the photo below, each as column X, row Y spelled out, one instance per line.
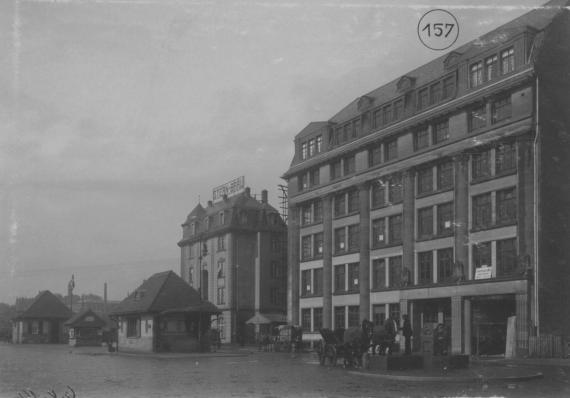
column 489, row 316
column 429, row 314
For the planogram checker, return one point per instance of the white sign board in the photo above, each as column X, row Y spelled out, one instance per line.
column 483, row 272
column 229, row 188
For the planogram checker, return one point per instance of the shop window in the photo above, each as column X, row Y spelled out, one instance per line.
column 395, row 271
column 379, row 314
column 425, row 180
column 444, row 265
column 505, row 158
column 378, row 233
column 482, row 211
column 445, row 219
column 506, row 206
column 317, row 318
column 425, row 268
column 339, row 317
column 378, row 273
column 318, row 281
column 481, row 165
column 378, row 194
column 425, row 222
column 395, row 229
column 353, row 272
column 339, row 278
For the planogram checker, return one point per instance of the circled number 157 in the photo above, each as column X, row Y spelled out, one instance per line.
column 438, row 29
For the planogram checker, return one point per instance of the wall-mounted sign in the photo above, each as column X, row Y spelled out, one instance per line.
column 230, row 188
column 483, row 272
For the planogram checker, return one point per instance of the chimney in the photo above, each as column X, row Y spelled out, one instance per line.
column 264, row 196
column 105, row 298
column 248, row 192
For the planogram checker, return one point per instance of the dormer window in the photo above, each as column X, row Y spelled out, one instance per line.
column 193, row 228
column 491, row 66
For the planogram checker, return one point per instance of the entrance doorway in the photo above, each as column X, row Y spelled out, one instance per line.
column 429, row 314
column 489, row 317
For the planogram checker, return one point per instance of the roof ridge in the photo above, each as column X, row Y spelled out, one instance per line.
column 169, row 273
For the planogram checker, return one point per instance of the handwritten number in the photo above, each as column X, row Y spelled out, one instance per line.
column 438, row 29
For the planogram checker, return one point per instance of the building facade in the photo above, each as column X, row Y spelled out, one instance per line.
column 233, row 252
column 443, row 195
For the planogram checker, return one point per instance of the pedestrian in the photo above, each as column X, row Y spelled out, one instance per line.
column 391, row 328
column 407, row 332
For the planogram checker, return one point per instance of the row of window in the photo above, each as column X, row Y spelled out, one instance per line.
column 500, row 111
column 340, row 321
column 493, row 162
column 503, row 203
column 433, row 134
column 311, row 147
column 388, row 272
column 489, row 68
column 441, row 225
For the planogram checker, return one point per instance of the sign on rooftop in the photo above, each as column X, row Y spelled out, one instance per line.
column 230, row 188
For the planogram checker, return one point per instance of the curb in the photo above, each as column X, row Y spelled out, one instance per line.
column 449, row 379
column 168, row 356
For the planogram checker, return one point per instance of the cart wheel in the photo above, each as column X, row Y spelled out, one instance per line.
column 329, row 356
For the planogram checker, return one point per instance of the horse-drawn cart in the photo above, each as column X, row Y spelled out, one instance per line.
column 351, row 345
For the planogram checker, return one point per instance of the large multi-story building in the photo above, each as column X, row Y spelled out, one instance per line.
column 234, row 252
column 444, row 195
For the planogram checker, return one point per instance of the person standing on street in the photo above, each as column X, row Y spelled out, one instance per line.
column 407, row 332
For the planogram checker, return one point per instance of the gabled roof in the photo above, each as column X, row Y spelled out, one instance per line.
column 46, row 306
column 162, row 291
column 89, row 318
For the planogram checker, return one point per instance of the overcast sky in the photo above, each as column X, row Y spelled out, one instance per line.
column 116, row 116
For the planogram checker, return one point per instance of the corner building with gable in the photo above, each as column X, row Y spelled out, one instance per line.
column 234, row 252
column 444, row 195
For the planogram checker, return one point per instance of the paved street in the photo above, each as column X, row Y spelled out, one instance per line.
column 94, row 373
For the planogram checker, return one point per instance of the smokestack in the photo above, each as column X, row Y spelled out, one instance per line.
column 105, row 298
column 264, row 196
column 248, row 192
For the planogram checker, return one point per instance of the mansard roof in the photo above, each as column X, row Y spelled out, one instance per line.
column 533, row 21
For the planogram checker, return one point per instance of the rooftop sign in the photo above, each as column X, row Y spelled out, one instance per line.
column 230, row 188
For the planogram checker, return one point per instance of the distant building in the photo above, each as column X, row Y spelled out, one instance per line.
column 42, row 322
column 445, row 195
column 233, row 251
column 164, row 314
column 90, row 328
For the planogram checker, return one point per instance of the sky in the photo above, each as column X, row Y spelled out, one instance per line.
column 118, row 116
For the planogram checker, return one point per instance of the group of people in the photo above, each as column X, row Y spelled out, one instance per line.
column 392, row 330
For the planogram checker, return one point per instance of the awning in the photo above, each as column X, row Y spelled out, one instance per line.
column 264, row 319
